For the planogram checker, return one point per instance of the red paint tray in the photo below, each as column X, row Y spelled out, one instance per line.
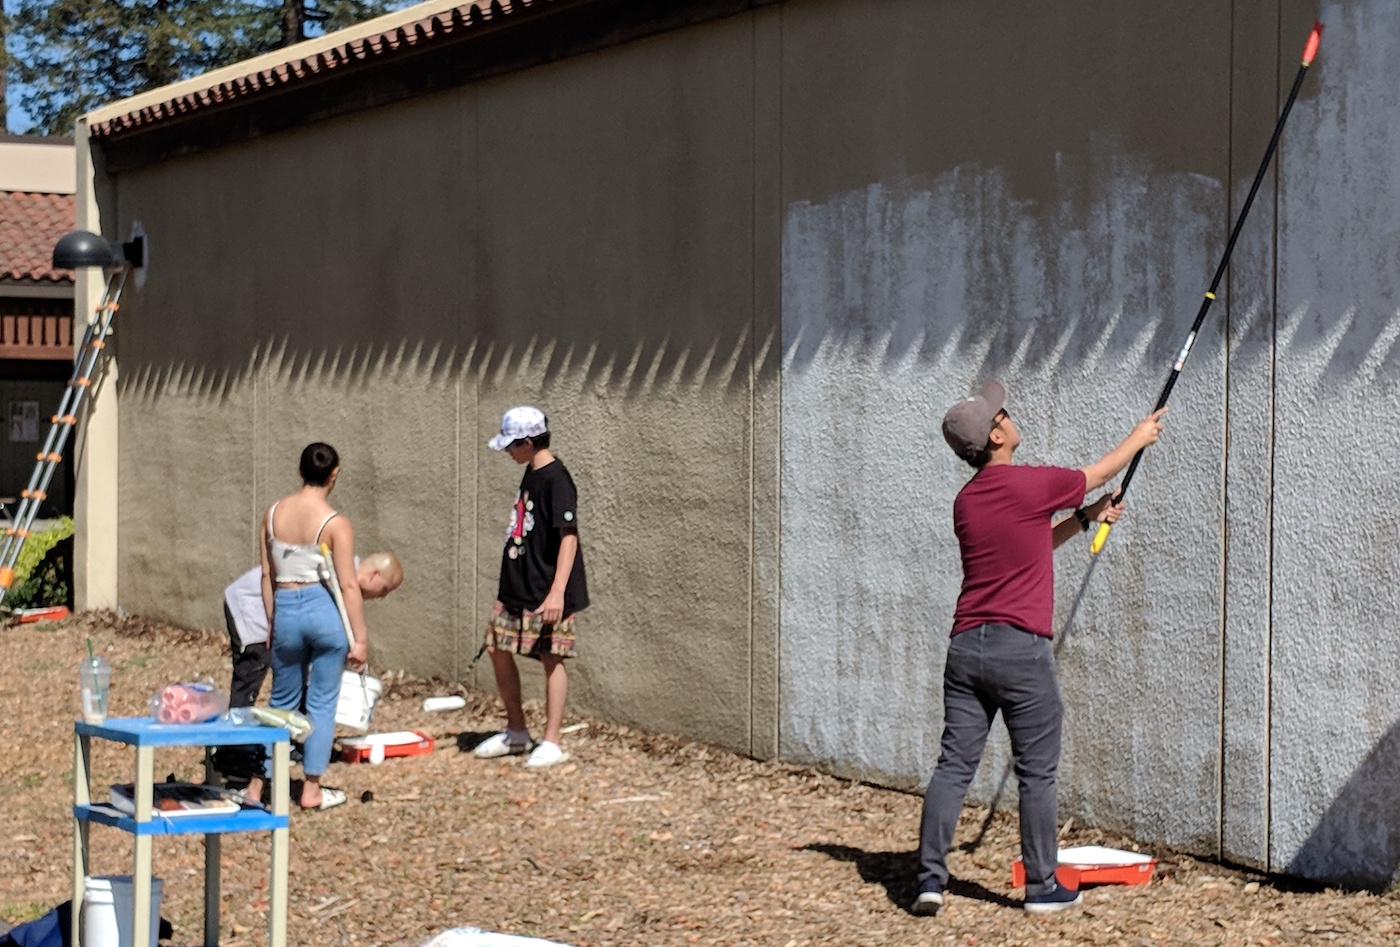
column 399, row 743
column 1094, row 865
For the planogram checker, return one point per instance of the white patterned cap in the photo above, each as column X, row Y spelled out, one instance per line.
column 519, row 422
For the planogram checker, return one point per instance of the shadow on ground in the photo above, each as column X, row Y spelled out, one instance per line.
column 469, row 740
column 896, row 873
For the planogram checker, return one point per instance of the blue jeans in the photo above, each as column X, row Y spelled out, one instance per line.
column 308, row 646
column 997, row 668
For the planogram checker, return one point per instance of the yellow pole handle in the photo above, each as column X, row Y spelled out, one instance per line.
column 1100, row 538
column 329, row 574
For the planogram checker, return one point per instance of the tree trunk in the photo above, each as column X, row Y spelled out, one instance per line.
column 293, row 22
column 4, row 68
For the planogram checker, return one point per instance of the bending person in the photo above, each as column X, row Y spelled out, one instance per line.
column 306, row 639
column 245, row 616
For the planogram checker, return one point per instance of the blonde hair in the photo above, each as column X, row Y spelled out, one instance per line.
column 388, row 565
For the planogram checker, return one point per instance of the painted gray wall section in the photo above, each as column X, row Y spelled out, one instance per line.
column 746, row 266
column 1335, row 769
column 866, row 519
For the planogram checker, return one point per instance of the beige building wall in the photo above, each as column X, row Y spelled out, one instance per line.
column 390, row 282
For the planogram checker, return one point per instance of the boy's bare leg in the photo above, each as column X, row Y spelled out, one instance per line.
column 508, row 686
column 556, row 688
column 255, row 788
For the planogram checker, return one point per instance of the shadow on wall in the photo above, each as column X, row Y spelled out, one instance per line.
column 644, row 367
column 1357, row 842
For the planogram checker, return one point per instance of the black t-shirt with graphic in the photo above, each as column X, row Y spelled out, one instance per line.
column 545, row 508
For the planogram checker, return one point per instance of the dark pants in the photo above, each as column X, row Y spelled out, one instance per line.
column 238, row 764
column 996, row 668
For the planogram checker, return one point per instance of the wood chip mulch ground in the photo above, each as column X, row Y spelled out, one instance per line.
column 638, row 839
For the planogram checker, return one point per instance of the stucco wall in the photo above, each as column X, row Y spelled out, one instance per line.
column 1335, row 713
column 1054, row 240
column 745, row 266
column 391, row 282
column 997, row 209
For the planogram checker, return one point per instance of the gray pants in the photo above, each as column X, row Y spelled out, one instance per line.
column 991, row 668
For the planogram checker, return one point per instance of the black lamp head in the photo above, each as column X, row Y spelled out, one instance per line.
column 80, row 248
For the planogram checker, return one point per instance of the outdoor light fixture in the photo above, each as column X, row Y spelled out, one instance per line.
column 81, row 248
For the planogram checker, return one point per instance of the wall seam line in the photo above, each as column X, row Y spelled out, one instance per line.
column 778, row 427
column 1223, row 628
column 1273, row 449
column 753, row 330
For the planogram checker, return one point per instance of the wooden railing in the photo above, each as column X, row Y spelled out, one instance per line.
column 48, row 337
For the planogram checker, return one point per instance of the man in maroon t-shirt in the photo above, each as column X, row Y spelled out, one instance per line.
column 1000, row 658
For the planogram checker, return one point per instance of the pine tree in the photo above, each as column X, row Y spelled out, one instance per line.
column 67, row 57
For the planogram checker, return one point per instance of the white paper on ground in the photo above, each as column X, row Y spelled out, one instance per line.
column 474, row 937
column 431, row 704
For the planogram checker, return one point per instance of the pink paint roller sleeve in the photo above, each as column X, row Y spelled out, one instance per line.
column 1314, row 40
column 187, row 703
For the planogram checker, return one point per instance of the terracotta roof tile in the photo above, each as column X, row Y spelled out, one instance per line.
column 366, row 50
column 30, row 224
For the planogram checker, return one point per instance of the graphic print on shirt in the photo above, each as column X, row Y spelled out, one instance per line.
column 522, row 520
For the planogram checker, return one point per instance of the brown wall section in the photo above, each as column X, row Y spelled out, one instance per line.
column 889, row 89
column 580, row 236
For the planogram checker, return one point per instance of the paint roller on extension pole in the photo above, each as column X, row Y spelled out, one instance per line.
column 1309, row 51
column 329, row 576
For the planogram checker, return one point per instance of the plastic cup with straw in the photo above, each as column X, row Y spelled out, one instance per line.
column 94, row 679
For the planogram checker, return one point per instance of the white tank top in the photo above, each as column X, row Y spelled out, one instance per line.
column 295, row 563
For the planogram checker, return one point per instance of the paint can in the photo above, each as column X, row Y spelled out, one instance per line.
column 358, row 695
column 107, row 917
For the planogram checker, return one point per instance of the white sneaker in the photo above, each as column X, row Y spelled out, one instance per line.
column 500, row 744
column 927, row 903
column 546, row 754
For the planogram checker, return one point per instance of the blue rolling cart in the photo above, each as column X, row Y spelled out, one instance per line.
column 145, row 735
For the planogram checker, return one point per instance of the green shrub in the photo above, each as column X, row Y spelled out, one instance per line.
column 41, row 572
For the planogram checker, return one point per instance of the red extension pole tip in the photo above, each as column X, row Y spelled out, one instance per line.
column 1314, row 39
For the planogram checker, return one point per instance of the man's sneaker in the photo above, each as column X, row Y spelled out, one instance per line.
column 927, row 903
column 546, row 754
column 500, row 744
column 1057, row 898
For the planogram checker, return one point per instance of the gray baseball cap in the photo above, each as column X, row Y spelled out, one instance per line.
column 968, row 424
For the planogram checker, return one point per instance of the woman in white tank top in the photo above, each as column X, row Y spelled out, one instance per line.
column 307, row 641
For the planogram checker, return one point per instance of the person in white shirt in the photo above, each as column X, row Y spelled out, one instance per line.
column 379, row 573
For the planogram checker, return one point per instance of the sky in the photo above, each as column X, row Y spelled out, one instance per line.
column 16, row 120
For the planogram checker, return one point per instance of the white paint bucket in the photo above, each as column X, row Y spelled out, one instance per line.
column 107, row 917
column 358, row 695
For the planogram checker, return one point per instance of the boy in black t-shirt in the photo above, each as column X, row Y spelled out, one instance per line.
column 542, row 586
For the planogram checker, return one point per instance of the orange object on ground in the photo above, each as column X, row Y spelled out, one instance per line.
column 52, row 613
column 1094, row 865
column 399, row 743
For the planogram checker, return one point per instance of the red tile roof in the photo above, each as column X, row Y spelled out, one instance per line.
column 30, row 224
column 459, row 22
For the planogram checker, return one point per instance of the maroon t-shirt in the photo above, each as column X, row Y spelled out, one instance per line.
column 1002, row 521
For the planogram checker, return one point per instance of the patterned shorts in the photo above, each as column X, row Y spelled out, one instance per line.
column 512, row 631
